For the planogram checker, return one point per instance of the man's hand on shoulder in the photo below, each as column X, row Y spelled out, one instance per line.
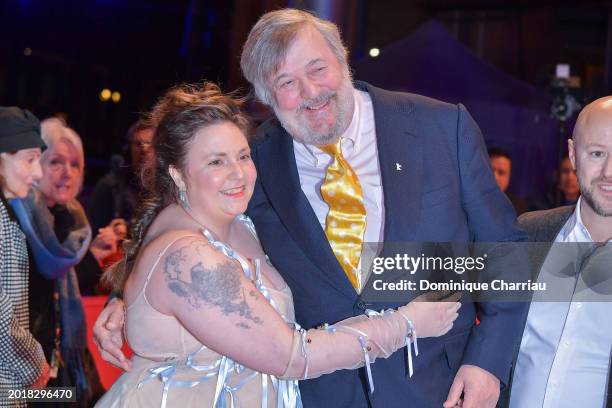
column 480, row 388
column 107, row 334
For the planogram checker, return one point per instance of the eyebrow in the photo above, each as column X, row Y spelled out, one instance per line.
column 588, row 145
column 314, row 61
column 308, row 65
column 223, row 154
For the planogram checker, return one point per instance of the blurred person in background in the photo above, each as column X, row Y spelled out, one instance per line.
column 22, row 362
column 115, row 195
column 569, row 189
column 59, row 238
column 501, row 164
column 565, row 190
column 111, row 207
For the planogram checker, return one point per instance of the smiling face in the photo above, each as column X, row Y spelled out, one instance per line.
column 62, row 173
column 19, row 171
column 591, row 155
column 313, row 94
column 219, row 174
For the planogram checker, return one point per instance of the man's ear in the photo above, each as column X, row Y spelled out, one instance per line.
column 176, row 177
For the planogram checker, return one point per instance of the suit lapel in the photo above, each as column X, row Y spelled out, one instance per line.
column 401, row 164
column 280, row 179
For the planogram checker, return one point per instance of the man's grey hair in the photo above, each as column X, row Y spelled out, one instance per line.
column 269, row 40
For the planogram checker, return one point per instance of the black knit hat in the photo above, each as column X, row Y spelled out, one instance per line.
column 19, row 129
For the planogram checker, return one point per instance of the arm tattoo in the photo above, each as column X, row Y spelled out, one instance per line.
column 218, row 286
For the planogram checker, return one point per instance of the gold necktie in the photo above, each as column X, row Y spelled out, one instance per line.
column 346, row 220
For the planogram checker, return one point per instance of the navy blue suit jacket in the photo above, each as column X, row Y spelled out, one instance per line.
column 445, row 192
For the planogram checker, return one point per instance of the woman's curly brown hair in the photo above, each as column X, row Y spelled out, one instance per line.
column 176, row 118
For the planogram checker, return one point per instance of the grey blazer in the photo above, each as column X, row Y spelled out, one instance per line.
column 543, row 226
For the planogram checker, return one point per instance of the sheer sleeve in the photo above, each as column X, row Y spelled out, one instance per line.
column 350, row 344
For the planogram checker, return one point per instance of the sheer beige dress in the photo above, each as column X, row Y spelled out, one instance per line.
column 170, row 368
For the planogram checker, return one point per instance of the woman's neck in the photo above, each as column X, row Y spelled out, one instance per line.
column 219, row 228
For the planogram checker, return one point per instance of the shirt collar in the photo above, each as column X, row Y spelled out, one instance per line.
column 575, row 226
column 350, row 138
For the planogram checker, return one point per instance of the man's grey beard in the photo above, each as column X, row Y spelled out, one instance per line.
column 588, row 196
column 302, row 132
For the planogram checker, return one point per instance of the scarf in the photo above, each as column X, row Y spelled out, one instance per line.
column 56, row 260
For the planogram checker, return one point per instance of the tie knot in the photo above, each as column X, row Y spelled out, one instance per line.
column 333, row 149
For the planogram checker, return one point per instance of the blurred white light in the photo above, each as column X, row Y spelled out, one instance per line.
column 374, row 52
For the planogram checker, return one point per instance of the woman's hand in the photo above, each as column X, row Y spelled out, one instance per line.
column 431, row 316
column 106, row 243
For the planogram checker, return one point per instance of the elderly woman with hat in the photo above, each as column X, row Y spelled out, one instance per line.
column 22, row 362
column 59, row 238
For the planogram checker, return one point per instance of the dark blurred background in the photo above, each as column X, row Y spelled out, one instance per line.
column 56, row 57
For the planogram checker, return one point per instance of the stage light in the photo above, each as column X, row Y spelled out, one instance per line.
column 116, row 97
column 374, row 52
column 27, row 51
column 105, row 95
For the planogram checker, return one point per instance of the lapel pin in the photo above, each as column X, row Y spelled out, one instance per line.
column 398, row 167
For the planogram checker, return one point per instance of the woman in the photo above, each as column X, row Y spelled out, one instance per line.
column 22, row 362
column 59, row 235
column 206, row 314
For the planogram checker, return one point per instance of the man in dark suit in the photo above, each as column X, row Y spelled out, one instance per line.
column 425, row 176
column 405, row 168
column 564, row 358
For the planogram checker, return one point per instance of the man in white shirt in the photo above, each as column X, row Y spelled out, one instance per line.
column 565, row 351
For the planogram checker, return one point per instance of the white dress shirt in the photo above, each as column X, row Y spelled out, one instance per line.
column 361, row 152
column 565, row 349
